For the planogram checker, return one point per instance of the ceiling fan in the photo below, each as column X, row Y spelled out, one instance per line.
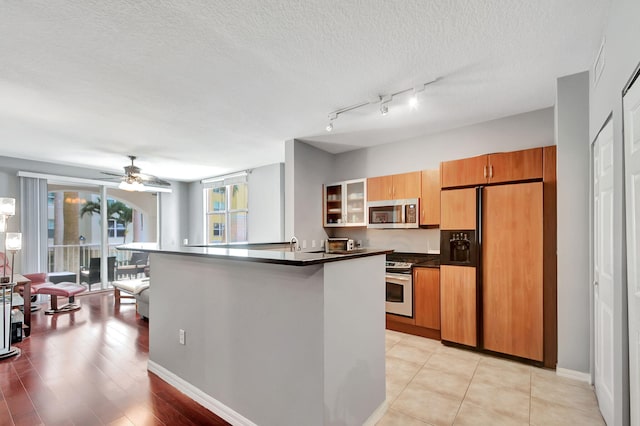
column 133, row 180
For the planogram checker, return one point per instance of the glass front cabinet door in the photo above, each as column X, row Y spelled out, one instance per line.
column 345, row 203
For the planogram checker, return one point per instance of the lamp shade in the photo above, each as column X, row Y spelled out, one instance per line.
column 13, row 241
column 7, row 206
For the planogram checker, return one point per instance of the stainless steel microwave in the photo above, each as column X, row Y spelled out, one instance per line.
column 401, row 214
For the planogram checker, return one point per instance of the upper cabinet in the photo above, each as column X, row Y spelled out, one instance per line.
column 492, row 168
column 430, row 198
column 394, row 187
column 344, row 203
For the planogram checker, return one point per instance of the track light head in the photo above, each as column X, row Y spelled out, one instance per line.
column 384, row 109
column 329, row 126
column 413, row 101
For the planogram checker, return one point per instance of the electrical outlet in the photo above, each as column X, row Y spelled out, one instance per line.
column 321, row 243
column 181, row 334
column 313, row 243
column 304, row 243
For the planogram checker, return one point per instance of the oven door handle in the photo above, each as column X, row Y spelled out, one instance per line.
column 398, row 278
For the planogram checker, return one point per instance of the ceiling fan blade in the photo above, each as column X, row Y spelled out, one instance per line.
column 112, row 174
column 157, row 181
column 152, row 179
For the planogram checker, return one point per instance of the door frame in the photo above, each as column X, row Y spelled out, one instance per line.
column 626, row 403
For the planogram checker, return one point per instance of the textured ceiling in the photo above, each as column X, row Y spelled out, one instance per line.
column 200, row 88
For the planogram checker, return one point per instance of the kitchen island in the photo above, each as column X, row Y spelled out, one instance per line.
column 270, row 337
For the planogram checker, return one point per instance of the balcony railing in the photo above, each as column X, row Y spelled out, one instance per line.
column 74, row 257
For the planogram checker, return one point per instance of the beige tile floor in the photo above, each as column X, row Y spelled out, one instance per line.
column 432, row 384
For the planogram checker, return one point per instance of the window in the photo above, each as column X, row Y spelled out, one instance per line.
column 115, row 229
column 226, row 211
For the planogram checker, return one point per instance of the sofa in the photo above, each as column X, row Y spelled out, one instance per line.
column 142, row 300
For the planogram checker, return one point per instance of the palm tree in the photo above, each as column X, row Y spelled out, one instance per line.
column 116, row 210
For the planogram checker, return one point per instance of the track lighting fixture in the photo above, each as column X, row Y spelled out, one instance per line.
column 413, row 100
column 383, row 100
column 332, row 117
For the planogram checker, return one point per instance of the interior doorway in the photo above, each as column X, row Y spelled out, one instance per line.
column 631, row 123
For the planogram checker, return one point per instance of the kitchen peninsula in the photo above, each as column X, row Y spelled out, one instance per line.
column 270, row 337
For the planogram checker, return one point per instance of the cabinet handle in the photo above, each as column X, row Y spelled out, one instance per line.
column 491, row 171
column 484, row 171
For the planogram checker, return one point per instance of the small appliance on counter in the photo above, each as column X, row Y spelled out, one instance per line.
column 339, row 245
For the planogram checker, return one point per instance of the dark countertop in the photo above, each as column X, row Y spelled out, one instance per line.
column 419, row 260
column 435, row 263
column 247, row 254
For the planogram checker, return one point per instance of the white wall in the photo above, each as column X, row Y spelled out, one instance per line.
column 173, row 212
column 306, row 170
column 520, row 131
column 572, row 135
column 266, row 204
column 621, row 58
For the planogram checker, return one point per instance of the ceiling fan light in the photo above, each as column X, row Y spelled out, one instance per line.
column 131, row 185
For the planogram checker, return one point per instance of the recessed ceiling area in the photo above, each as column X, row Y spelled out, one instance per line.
column 200, row 88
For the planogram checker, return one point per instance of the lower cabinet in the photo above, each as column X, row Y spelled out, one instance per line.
column 458, row 302
column 426, row 286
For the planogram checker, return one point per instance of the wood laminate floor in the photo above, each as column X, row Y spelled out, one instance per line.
column 89, row 367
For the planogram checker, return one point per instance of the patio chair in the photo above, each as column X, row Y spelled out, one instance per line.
column 92, row 274
column 134, row 266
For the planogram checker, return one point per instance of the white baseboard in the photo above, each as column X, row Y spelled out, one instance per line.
column 572, row 374
column 199, row 396
column 377, row 414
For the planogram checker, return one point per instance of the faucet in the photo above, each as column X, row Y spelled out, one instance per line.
column 293, row 244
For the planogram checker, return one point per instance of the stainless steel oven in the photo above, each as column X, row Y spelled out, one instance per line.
column 399, row 286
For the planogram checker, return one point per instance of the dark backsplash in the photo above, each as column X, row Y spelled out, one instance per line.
column 413, row 257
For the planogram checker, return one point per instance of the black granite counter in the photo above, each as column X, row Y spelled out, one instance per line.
column 248, row 254
column 419, row 260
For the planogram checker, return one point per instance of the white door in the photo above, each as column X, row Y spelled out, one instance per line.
column 603, row 269
column 632, row 185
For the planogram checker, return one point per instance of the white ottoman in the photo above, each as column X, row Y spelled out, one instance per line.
column 131, row 287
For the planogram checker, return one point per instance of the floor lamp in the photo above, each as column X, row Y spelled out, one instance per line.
column 7, row 209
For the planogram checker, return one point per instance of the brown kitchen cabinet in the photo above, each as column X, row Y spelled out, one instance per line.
column 426, row 286
column 458, row 209
column 512, row 269
column 430, row 198
column 493, row 168
column 394, row 187
column 458, row 321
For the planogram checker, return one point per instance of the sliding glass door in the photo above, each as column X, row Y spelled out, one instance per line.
column 77, row 244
